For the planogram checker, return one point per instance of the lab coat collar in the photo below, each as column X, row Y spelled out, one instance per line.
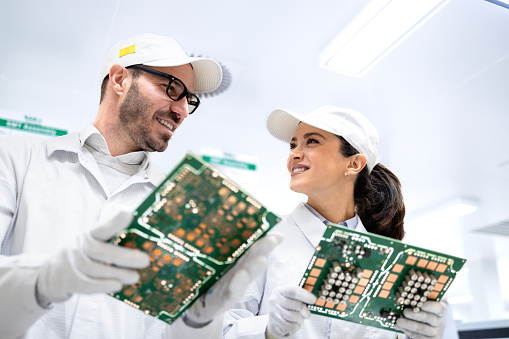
column 73, row 143
column 309, row 224
column 312, row 227
column 68, row 143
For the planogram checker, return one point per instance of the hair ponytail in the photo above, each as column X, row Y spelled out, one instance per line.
column 378, row 198
column 379, row 202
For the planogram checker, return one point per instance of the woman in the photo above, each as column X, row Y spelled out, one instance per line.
column 334, row 161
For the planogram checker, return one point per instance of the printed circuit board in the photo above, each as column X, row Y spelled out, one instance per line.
column 194, row 226
column 370, row 279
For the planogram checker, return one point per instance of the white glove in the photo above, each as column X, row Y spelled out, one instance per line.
column 288, row 310
column 230, row 288
column 429, row 322
column 90, row 265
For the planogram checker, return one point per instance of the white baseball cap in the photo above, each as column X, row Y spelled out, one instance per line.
column 158, row 50
column 351, row 125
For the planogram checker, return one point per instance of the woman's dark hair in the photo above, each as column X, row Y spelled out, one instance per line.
column 378, row 198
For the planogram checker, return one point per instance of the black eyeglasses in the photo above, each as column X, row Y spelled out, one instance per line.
column 176, row 90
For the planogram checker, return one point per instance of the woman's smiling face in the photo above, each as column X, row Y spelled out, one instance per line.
column 315, row 163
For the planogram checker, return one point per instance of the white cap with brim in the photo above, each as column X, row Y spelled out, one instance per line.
column 351, row 125
column 161, row 51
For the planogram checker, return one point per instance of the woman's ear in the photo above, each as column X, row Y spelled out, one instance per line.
column 118, row 79
column 357, row 163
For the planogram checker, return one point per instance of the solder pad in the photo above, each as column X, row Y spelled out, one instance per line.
column 194, row 226
column 370, row 279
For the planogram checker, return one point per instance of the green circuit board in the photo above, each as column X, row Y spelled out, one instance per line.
column 194, row 226
column 370, row 279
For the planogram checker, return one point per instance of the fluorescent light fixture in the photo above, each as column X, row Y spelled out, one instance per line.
column 503, row 3
column 378, row 28
column 464, row 299
column 447, row 211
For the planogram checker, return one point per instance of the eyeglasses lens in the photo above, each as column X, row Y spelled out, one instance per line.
column 192, row 102
column 176, row 90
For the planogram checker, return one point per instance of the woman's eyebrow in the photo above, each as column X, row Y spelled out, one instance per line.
column 307, row 135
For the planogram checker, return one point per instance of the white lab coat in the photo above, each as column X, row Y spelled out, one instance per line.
column 302, row 231
column 52, row 190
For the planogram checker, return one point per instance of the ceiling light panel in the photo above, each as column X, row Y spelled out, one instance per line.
column 503, row 3
column 381, row 26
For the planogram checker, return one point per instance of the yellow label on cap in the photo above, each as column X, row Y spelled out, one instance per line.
column 127, row 50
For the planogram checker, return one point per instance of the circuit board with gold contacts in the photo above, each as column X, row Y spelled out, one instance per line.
column 370, row 279
column 194, row 226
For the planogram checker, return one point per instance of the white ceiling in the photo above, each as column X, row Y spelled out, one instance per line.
column 439, row 100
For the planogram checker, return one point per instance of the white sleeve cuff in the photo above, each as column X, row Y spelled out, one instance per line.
column 19, row 308
column 250, row 327
column 179, row 329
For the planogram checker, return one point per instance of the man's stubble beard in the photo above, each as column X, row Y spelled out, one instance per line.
column 133, row 117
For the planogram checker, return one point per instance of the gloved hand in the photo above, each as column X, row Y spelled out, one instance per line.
column 429, row 322
column 90, row 264
column 230, row 288
column 288, row 310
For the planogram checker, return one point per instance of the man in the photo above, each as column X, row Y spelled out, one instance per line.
column 60, row 200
